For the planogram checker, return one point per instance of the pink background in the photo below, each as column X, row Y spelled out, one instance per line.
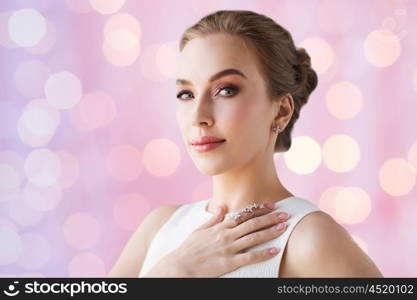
column 89, row 143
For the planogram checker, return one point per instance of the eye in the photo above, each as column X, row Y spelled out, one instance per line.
column 226, row 88
column 179, row 95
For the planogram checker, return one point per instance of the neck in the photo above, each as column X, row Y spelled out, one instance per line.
column 252, row 183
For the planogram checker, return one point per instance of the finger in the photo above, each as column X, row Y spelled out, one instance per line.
column 248, row 213
column 258, row 237
column 252, row 257
column 215, row 219
column 257, row 223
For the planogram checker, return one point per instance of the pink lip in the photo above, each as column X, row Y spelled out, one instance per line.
column 205, row 139
column 207, row 147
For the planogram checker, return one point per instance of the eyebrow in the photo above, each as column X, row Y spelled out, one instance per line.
column 215, row 76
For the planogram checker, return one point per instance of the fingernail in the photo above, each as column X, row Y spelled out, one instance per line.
column 282, row 215
column 270, row 205
column 273, row 250
column 218, row 210
column 281, row 226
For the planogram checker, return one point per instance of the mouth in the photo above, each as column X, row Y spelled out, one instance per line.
column 207, row 146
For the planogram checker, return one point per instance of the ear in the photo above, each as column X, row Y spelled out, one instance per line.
column 284, row 109
column 276, row 107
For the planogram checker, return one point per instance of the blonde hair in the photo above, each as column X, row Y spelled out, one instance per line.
column 285, row 68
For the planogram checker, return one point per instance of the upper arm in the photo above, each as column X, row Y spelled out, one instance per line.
column 320, row 247
column 133, row 254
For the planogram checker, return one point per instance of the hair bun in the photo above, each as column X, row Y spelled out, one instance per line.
column 303, row 64
column 305, row 75
column 303, row 58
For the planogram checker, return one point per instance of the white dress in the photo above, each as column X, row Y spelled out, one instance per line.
column 192, row 215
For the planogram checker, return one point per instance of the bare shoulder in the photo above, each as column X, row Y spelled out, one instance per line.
column 133, row 254
column 318, row 246
column 156, row 218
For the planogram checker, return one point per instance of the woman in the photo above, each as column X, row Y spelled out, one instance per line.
column 241, row 84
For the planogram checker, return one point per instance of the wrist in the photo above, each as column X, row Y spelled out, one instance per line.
column 170, row 266
column 176, row 266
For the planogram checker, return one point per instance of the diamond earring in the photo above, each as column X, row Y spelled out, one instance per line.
column 276, row 128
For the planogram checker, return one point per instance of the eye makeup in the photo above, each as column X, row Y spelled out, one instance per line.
column 230, row 87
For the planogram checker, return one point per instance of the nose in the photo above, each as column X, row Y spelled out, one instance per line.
column 201, row 115
column 201, row 123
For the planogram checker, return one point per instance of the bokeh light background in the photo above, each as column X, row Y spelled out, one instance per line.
column 89, row 142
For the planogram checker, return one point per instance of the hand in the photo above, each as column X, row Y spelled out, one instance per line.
column 218, row 246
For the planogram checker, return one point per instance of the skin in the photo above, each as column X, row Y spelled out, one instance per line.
column 243, row 169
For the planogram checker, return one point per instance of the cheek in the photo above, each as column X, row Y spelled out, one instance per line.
column 247, row 127
column 243, row 116
column 178, row 118
column 179, row 115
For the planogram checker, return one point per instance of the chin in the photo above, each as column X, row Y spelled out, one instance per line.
column 210, row 167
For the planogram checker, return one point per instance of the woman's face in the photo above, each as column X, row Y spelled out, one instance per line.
column 232, row 107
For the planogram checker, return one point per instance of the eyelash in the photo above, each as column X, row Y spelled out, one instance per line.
column 228, row 87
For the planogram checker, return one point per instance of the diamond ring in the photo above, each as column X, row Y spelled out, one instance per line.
column 250, row 208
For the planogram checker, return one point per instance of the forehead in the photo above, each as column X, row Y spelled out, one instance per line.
column 204, row 56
